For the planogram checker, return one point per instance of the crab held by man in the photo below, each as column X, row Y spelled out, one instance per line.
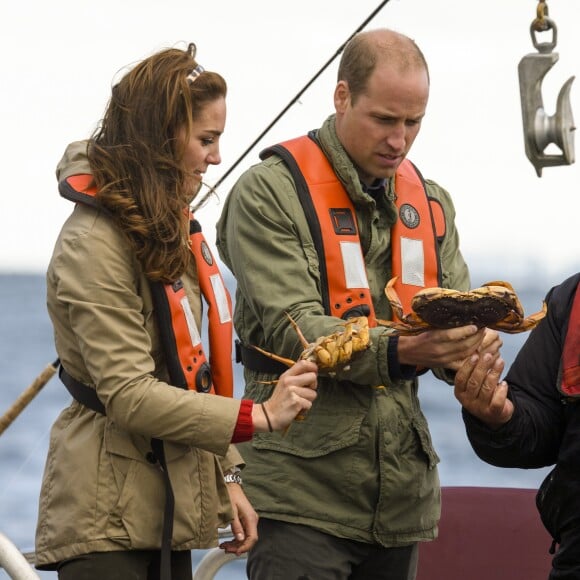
column 331, row 352
column 494, row 305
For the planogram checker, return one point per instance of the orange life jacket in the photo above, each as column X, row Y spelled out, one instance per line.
column 186, row 361
column 570, row 365
column 332, row 220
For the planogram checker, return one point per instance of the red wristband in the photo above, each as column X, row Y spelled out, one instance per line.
column 244, row 429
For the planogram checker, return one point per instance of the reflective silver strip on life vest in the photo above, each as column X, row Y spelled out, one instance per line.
column 221, row 299
column 412, row 262
column 194, row 334
column 354, row 268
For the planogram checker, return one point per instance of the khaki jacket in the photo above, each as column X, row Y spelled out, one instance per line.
column 362, row 465
column 99, row 491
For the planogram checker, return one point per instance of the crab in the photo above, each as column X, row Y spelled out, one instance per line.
column 494, row 305
column 331, row 352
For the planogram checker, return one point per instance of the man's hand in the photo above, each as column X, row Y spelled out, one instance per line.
column 480, row 392
column 441, row 348
column 491, row 344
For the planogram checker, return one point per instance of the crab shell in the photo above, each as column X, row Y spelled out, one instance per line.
column 333, row 351
column 336, row 350
column 495, row 305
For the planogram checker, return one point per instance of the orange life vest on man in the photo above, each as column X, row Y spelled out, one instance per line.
column 333, row 225
column 186, row 361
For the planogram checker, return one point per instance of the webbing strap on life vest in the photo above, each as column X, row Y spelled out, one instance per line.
column 81, row 392
column 258, row 362
column 168, row 511
column 570, row 364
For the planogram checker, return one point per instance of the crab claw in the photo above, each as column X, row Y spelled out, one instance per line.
column 524, row 325
column 393, row 298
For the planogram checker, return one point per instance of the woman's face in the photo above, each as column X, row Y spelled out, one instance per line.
column 202, row 149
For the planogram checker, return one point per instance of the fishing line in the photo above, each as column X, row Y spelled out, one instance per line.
column 10, row 483
column 212, row 189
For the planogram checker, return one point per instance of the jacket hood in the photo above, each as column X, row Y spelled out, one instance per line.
column 74, row 161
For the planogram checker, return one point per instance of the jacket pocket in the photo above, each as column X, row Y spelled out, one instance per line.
column 420, row 426
column 326, row 428
column 133, row 483
column 314, row 436
column 136, row 447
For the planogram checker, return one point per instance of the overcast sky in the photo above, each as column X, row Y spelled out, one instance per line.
column 59, row 59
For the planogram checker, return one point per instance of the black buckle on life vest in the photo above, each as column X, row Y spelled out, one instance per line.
column 203, row 379
column 342, row 221
column 355, row 311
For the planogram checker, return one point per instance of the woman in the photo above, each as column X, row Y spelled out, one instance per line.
column 135, row 472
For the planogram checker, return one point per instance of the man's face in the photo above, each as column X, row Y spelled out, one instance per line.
column 379, row 129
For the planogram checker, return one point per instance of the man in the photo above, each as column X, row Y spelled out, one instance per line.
column 532, row 418
column 315, row 231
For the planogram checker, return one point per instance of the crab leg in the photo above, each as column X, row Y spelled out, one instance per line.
column 500, row 283
column 393, row 298
column 402, row 328
column 303, row 340
column 285, row 361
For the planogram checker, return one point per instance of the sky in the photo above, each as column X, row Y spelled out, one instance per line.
column 59, row 60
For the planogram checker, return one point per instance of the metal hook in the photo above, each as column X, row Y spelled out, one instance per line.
column 541, row 129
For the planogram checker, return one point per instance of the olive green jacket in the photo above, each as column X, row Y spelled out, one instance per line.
column 362, row 465
column 99, row 491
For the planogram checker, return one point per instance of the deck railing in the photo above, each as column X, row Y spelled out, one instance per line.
column 16, row 564
column 19, row 565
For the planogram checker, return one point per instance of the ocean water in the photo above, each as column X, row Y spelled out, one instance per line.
column 26, row 348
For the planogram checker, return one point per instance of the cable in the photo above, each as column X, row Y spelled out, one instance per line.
column 285, row 109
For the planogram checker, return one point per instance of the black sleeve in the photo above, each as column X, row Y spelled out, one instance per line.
column 532, row 437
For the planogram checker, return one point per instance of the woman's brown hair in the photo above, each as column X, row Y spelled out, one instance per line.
column 136, row 159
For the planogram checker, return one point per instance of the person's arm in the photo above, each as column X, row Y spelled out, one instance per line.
column 525, row 432
column 244, row 524
column 293, row 394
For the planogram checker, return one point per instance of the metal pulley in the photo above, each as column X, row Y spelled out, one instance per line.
column 541, row 129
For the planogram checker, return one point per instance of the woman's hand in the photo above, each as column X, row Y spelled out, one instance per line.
column 293, row 394
column 244, row 525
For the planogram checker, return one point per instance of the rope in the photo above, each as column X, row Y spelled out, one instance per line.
column 26, row 396
column 541, row 22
